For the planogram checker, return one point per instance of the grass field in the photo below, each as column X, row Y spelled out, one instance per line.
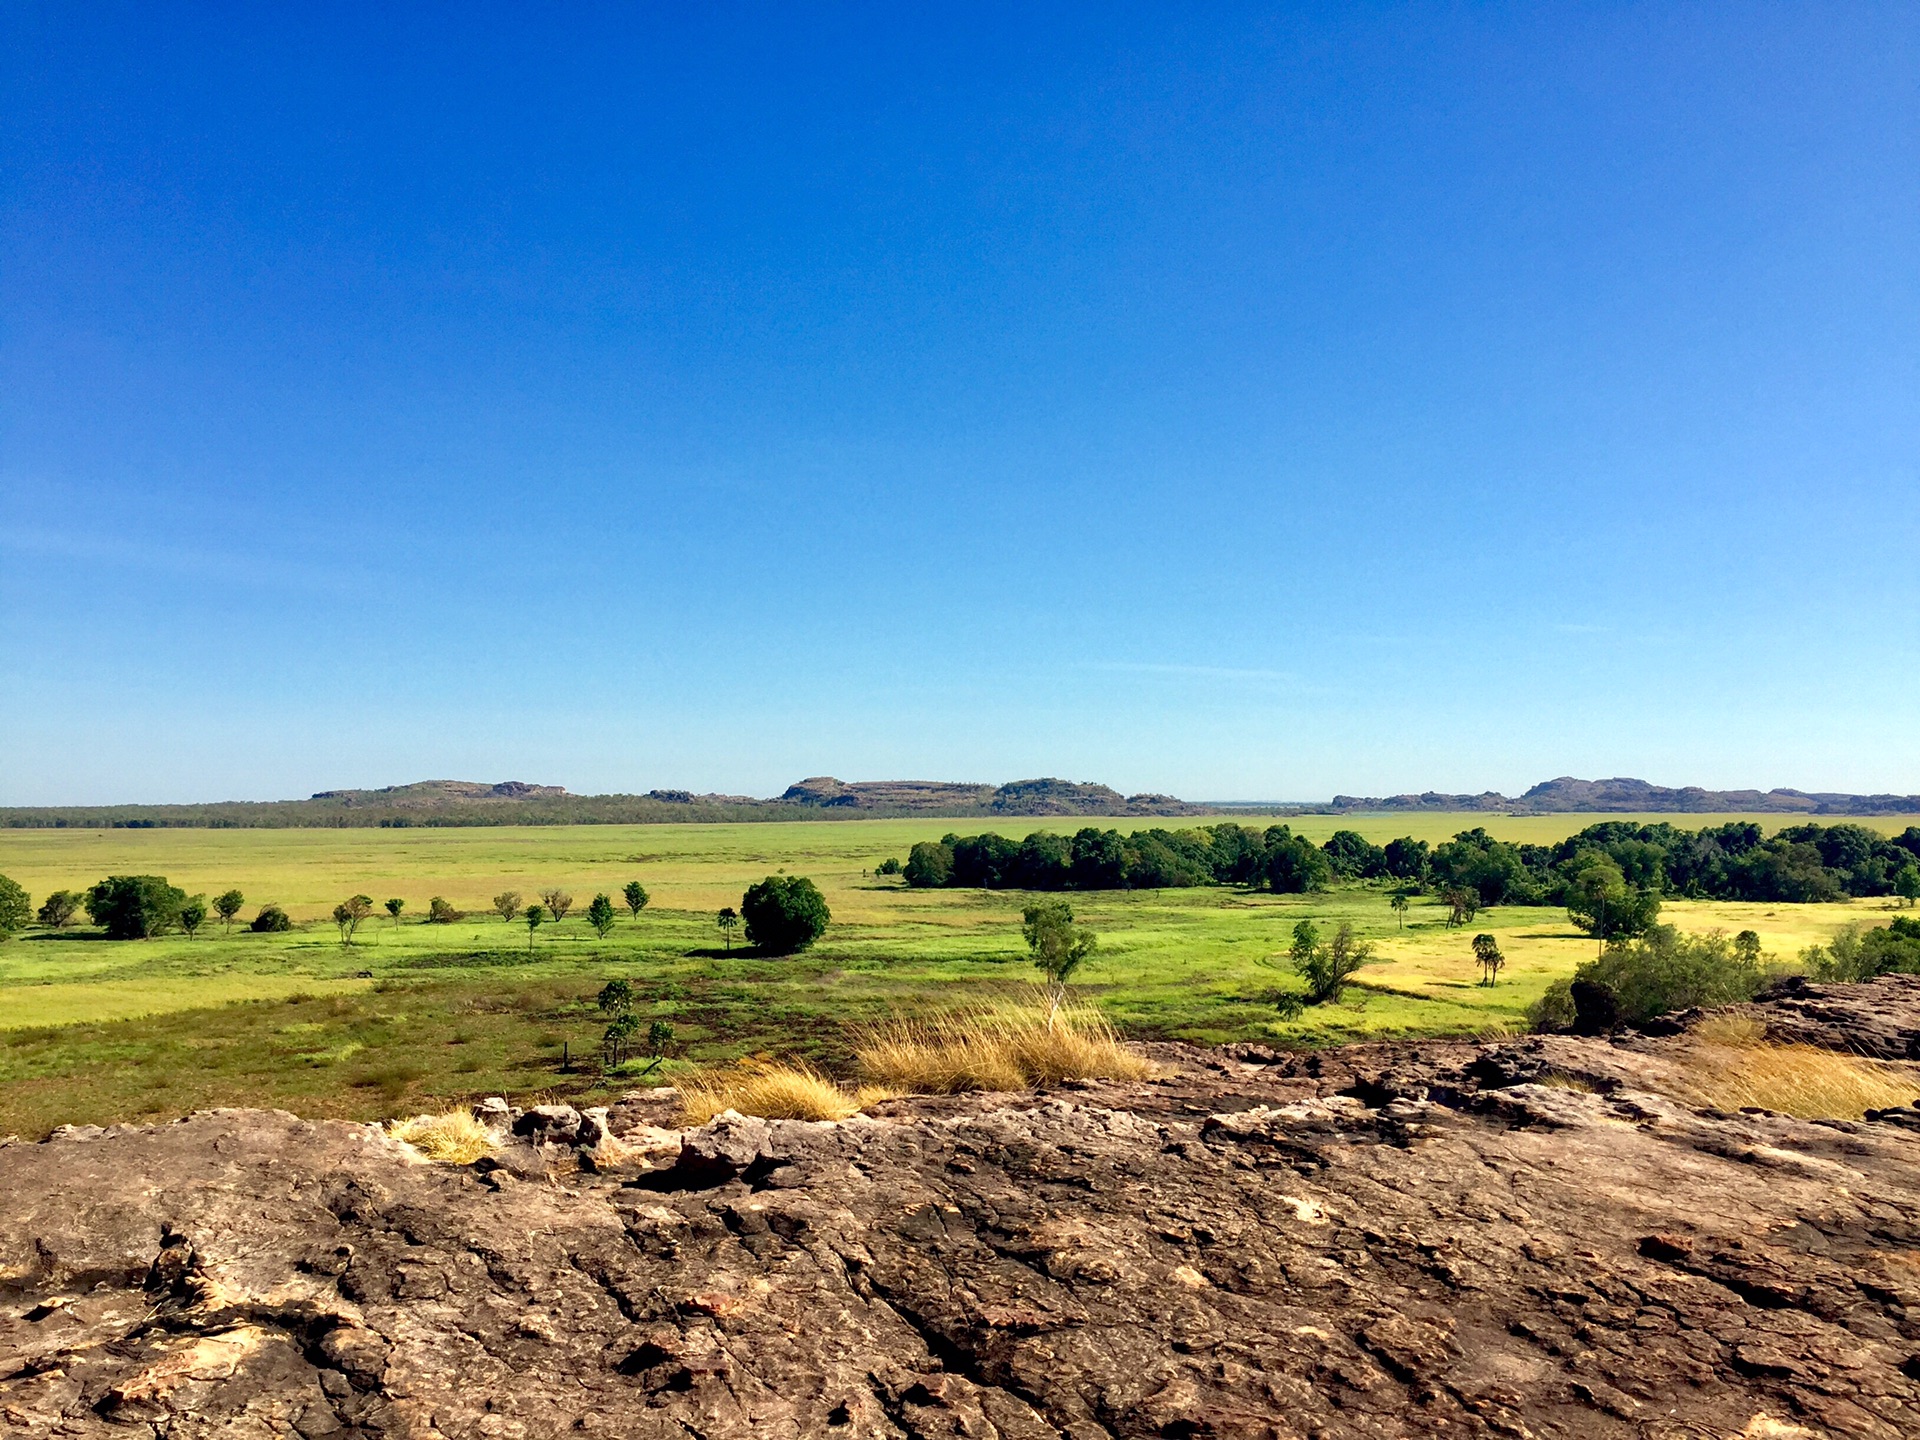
column 413, row 1014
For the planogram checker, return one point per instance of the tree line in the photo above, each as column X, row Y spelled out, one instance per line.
column 1613, row 864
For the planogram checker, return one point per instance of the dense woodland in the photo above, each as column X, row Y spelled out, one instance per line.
column 1736, row 861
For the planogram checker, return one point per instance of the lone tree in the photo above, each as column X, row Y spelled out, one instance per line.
column 57, row 909
column 507, row 905
column 600, row 915
column 228, row 905
column 1486, row 950
column 533, row 915
column 1746, row 946
column 15, row 908
column 394, row 907
column 728, row 920
column 635, row 895
column 1058, row 946
column 440, row 911
column 1906, row 884
column 1327, row 968
column 193, row 915
column 1462, row 902
column 133, row 907
column 615, row 998
column 349, row 913
column 659, row 1036
column 1399, row 904
column 784, row 914
column 558, row 903
column 615, row 1044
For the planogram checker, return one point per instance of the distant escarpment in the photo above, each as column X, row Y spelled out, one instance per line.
column 1625, row 796
column 1019, row 797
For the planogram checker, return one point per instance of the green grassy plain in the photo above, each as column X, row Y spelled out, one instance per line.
column 415, row 1015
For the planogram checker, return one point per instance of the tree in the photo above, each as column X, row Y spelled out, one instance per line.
column 1600, row 901
column 1906, row 884
column 227, row 906
column 1746, row 946
column 57, row 909
column 784, row 914
column 441, row 912
column 636, row 897
column 615, row 998
column 1058, row 946
column 271, row 920
column 600, row 915
column 727, row 920
column 193, row 915
column 659, row 1036
column 888, row 866
column 558, row 903
column 533, row 915
column 507, row 905
column 1462, row 902
column 1399, row 904
column 349, row 913
column 929, row 865
column 15, row 907
column 1295, row 865
column 1327, row 968
column 1486, row 950
column 619, row 1037
column 394, row 907
column 134, row 907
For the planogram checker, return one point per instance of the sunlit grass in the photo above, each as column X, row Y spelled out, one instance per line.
column 452, row 1138
column 1731, row 1065
column 771, row 1090
column 1006, row 1048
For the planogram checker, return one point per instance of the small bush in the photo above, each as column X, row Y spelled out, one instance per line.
column 441, row 912
column 784, row 914
column 1857, row 953
column 455, row 1138
column 271, row 920
column 794, row 1091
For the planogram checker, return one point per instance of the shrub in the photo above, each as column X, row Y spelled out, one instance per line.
column 1639, row 979
column 1857, row 953
column 58, row 908
column 441, row 912
column 507, row 905
column 773, row 1091
column 1327, row 968
column 784, row 914
column 888, row 866
column 227, row 905
column 1058, row 946
column 600, row 915
column 270, row 921
column 15, row 910
column 455, row 1138
column 133, row 907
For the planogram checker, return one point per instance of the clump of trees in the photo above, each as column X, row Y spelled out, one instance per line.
column 1859, row 952
column 135, row 907
column 1486, row 953
column 784, row 914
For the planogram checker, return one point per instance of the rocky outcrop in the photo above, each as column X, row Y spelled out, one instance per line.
column 1514, row 1239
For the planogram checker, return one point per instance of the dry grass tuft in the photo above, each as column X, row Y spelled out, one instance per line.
column 772, row 1091
column 1006, row 1049
column 1731, row 1064
column 455, row 1138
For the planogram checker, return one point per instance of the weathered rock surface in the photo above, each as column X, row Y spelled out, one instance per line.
column 1441, row 1239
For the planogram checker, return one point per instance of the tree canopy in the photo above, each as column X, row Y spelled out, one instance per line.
column 784, row 914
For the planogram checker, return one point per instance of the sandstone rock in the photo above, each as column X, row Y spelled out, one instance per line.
column 1295, row 1246
column 549, row 1124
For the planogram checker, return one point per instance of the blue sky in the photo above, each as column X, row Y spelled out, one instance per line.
column 1240, row 402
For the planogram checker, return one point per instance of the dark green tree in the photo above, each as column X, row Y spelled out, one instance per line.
column 394, row 907
column 1294, row 864
column 193, row 915
column 615, row 998
column 728, row 919
column 600, row 915
column 636, row 897
column 1399, row 905
column 784, row 914
column 533, row 915
column 15, row 908
column 1906, row 883
column 929, row 865
column 134, row 907
column 271, row 920
column 227, row 905
column 617, row 1043
column 1486, row 951
column 659, row 1036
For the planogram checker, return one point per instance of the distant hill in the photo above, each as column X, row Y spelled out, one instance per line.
column 1621, row 795
column 515, row 802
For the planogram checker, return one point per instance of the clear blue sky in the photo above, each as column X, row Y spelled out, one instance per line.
column 1240, row 402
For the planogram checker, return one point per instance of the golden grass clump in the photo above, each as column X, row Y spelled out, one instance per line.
column 790, row 1091
column 455, row 1138
column 1732, row 1065
column 1005, row 1049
